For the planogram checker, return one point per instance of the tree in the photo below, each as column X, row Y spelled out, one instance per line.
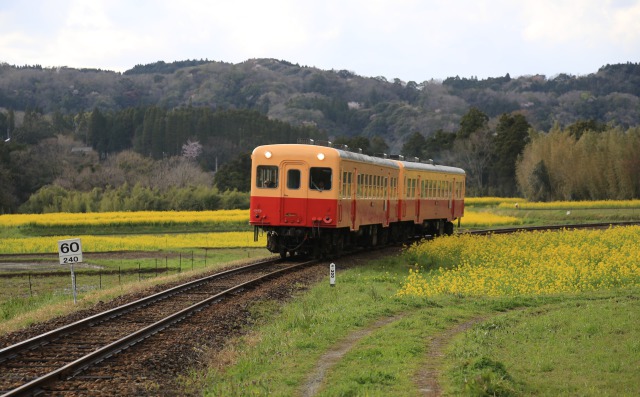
column 439, row 143
column 191, row 150
column 512, row 135
column 235, row 175
column 414, row 145
column 581, row 126
column 474, row 120
column 378, row 145
column 34, row 129
column 98, row 131
column 474, row 155
column 355, row 143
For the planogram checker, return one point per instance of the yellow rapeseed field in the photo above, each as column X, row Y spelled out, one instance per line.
column 148, row 242
column 477, row 219
column 532, row 263
column 493, row 201
column 563, row 205
column 113, row 218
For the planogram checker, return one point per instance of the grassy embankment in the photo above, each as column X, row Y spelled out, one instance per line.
column 538, row 313
column 149, row 247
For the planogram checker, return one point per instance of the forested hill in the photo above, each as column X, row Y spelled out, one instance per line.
column 339, row 102
column 173, row 125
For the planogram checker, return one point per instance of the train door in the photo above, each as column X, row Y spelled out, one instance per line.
column 294, row 193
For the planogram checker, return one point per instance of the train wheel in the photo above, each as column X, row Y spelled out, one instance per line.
column 338, row 246
column 283, row 253
column 448, row 228
column 383, row 236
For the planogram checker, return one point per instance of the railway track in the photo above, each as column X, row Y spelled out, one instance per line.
column 31, row 367
column 553, row 227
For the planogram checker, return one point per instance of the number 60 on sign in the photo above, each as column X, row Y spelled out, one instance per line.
column 70, row 251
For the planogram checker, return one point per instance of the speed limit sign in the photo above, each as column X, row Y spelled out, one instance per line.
column 70, row 251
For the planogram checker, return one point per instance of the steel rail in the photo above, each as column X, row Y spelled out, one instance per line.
column 9, row 351
column 74, row 368
column 552, row 227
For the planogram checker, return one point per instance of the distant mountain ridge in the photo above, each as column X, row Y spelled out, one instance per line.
column 339, row 102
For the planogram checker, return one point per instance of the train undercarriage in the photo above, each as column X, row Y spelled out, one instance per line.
column 325, row 242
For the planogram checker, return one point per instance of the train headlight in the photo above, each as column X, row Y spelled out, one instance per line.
column 268, row 154
column 320, row 156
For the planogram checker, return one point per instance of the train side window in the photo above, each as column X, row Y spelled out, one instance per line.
column 267, row 176
column 394, row 187
column 293, row 179
column 320, row 178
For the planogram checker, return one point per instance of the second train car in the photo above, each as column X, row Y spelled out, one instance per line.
column 318, row 199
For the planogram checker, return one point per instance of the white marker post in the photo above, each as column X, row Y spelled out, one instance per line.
column 70, row 252
column 332, row 274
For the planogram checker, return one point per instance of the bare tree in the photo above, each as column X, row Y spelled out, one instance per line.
column 474, row 155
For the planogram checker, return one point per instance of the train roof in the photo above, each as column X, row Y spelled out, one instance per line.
column 302, row 149
column 432, row 167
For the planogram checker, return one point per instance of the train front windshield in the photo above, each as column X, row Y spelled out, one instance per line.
column 267, row 176
column 320, row 178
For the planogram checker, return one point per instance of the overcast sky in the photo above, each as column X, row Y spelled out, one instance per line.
column 407, row 39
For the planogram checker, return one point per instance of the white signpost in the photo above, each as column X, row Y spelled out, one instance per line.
column 332, row 275
column 70, row 252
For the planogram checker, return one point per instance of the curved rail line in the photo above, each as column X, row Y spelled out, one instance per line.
column 62, row 353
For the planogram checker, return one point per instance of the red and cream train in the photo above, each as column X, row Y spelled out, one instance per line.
column 317, row 199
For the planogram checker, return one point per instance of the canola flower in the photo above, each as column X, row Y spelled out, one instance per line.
column 124, row 218
column 536, row 263
column 147, row 242
column 493, row 201
column 476, row 219
column 563, row 205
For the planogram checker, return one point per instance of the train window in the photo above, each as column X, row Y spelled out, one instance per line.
column 367, row 183
column 267, row 176
column 320, row 178
column 359, row 192
column 293, row 179
column 346, row 184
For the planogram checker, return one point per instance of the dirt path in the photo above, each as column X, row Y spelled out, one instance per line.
column 330, row 358
column 426, row 379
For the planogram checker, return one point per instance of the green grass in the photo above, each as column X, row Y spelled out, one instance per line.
column 582, row 346
column 195, row 227
column 278, row 356
column 25, row 292
column 588, row 215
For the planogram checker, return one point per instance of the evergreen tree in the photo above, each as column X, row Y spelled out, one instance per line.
column 414, row 145
column 473, row 121
column 235, row 175
column 512, row 135
column 98, row 131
